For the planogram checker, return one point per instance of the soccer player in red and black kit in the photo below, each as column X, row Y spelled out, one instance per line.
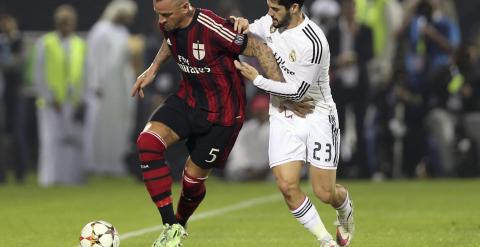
column 208, row 110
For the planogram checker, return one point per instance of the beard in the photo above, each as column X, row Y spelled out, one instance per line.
column 283, row 22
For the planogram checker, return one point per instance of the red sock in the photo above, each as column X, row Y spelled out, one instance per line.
column 193, row 192
column 156, row 174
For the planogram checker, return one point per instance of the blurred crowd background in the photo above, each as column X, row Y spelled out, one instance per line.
column 405, row 76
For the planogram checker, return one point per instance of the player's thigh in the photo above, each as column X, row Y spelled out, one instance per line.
column 211, row 149
column 170, row 121
column 163, row 131
column 323, row 142
column 288, row 174
column 285, row 143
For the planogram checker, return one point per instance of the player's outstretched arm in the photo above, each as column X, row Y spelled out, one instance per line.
column 148, row 75
column 301, row 108
column 255, row 47
column 264, row 55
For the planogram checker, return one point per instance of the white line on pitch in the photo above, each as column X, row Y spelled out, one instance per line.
column 208, row 214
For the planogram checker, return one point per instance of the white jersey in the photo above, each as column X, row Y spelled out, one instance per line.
column 303, row 55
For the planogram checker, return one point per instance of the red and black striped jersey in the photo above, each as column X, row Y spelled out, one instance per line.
column 205, row 51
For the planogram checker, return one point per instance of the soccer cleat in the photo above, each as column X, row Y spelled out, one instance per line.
column 181, row 221
column 163, row 238
column 345, row 229
column 171, row 236
column 328, row 242
column 343, row 238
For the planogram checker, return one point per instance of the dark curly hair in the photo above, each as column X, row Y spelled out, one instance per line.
column 289, row 3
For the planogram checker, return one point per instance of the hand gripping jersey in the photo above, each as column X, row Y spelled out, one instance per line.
column 304, row 58
column 205, row 51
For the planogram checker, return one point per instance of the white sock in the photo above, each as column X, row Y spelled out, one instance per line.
column 346, row 208
column 308, row 216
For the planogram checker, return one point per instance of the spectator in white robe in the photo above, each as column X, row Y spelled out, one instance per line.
column 110, row 75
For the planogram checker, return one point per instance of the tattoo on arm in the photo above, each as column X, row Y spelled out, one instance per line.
column 256, row 48
column 162, row 55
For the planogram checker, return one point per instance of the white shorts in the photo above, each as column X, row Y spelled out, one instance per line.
column 314, row 139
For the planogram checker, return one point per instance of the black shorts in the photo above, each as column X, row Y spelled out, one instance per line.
column 209, row 144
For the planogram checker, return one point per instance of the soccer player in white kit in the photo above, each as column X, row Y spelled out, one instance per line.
column 303, row 54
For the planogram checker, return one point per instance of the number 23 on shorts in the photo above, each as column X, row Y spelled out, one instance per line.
column 318, row 149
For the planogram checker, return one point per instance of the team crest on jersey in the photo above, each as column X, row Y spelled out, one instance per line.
column 198, row 50
column 292, row 56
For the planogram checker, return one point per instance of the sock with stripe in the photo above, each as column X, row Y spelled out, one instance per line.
column 193, row 192
column 156, row 174
column 308, row 216
column 346, row 208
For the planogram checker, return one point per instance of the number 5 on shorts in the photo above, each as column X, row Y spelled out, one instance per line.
column 213, row 153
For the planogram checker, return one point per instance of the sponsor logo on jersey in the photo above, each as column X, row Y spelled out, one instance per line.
column 292, row 56
column 184, row 65
column 281, row 64
column 193, row 70
column 198, row 50
column 144, row 166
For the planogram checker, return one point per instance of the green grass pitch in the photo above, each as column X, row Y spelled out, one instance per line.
column 430, row 213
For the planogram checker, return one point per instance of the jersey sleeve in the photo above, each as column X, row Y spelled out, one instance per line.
column 261, row 27
column 223, row 34
column 297, row 82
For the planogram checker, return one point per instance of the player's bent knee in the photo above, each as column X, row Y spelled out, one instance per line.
column 288, row 188
column 161, row 130
column 151, row 146
column 195, row 171
column 149, row 139
column 324, row 195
